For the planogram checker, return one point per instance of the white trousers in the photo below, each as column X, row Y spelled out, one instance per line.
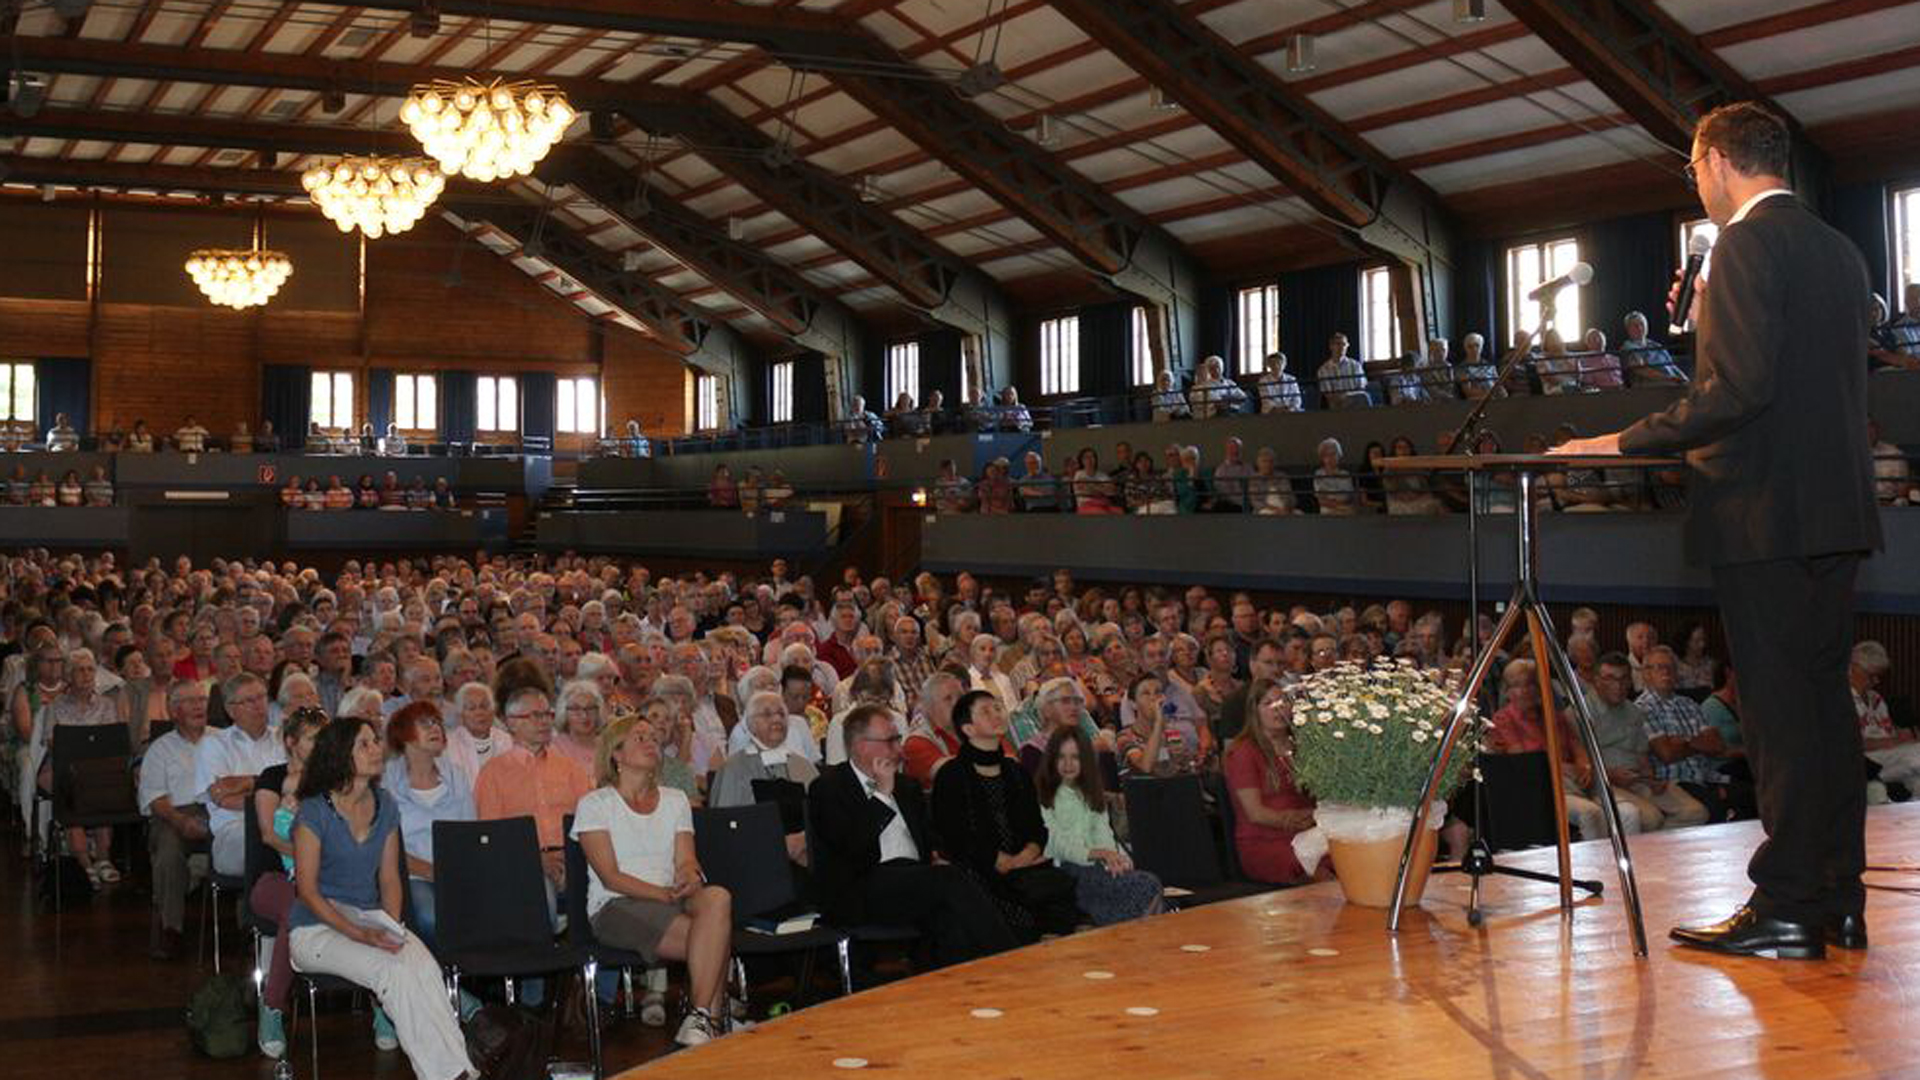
column 406, row 982
column 229, row 847
column 1898, row 764
column 1592, row 818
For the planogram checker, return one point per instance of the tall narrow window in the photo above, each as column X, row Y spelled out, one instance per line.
column 16, row 392
column 706, row 403
column 416, row 402
column 330, row 403
column 497, row 403
column 903, row 371
column 1060, row 356
column 1528, row 265
column 1906, row 242
column 1142, row 360
column 1379, row 324
column 782, row 410
column 1256, row 327
column 577, row 409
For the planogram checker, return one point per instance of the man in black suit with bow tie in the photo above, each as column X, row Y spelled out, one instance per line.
column 1781, row 506
column 873, row 850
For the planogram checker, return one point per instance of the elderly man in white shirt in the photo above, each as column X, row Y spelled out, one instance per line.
column 1213, row 394
column 190, row 438
column 230, row 761
column 169, row 798
column 1279, row 390
column 1436, row 373
column 1343, row 380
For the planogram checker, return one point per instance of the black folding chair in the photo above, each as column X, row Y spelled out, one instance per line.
column 1171, row 837
column 490, row 911
column 860, row 934
column 580, row 929
column 1514, row 805
column 744, row 850
column 68, row 746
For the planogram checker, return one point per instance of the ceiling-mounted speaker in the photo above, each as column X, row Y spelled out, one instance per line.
column 1300, row 54
column 1469, row 11
column 1158, row 101
column 600, row 125
column 26, row 94
column 333, row 99
column 425, row 21
column 778, row 156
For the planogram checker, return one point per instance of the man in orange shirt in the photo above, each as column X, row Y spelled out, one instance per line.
column 529, row 781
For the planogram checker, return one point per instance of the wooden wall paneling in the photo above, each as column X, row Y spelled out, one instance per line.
column 46, row 250
column 143, row 251
column 643, row 381
column 36, row 328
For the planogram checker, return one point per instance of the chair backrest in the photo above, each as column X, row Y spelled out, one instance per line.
column 1167, row 823
column 72, row 743
column 1229, row 820
column 1516, row 792
column 744, row 849
column 259, row 857
column 574, row 903
column 488, row 886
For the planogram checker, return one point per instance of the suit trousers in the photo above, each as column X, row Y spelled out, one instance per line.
column 1789, row 625
column 941, row 900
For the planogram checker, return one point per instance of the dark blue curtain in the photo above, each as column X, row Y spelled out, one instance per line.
column 539, row 401
column 1860, row 211
column 380, row 399
column 810, row 389
column 286, row 399
column 1106, row 348
column 1314, row 304
column 1476, row 277
column 1216, row 321
column 941, row 356
column 458, row 405
column 62, row 386
column 1633, row 261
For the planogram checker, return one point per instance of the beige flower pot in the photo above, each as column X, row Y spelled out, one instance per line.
column 1367, row 870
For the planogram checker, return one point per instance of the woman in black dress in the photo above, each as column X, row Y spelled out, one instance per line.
column 986, row 817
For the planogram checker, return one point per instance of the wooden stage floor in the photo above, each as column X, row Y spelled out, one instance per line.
column 1296, row 984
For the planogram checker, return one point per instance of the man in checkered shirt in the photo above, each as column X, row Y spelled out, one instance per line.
column 1683, row 743
column 1896, row 343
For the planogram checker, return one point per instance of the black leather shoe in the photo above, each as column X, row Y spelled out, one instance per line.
column 1749, row 933
column 1847, row 931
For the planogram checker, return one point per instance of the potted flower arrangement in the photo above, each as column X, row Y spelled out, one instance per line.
column 1364, row 740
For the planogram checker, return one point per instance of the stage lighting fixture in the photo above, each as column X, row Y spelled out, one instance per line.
column 1300, row 54
column 1469, row 11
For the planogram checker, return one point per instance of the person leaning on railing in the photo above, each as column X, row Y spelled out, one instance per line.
column 1279, row 390
column 1038, row 491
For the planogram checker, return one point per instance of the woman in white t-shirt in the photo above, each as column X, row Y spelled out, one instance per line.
column 645, row 891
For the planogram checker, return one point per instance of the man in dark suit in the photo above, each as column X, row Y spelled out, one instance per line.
column 873, row 845
column 1781, row 507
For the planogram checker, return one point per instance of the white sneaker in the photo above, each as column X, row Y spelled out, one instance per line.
column 653, row 1009
column 106, row 871
column 696, row 1030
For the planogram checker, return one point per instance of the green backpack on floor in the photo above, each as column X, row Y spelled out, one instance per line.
column 219, row 1020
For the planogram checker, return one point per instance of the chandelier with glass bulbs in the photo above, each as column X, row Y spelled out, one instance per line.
column 239, row 279
column 377, row 195
column 487, row 131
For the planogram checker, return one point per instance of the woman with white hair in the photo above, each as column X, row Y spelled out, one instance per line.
column 765, row 758
column 583, row 712
column 296, row 691
column 1333, row 486
column 799, row 739
column 363, row 703
column 475, row 737
column 982, row 651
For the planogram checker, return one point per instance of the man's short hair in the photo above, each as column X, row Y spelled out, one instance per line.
column 860, row 720
column 1753, row 138
column 521, row 694
column 1615, row 659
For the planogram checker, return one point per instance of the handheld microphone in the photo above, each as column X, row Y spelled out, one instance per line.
column 1697, row 249
column 1579, row 275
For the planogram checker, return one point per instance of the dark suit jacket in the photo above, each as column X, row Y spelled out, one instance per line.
column 1775, row 421
column 846, row 823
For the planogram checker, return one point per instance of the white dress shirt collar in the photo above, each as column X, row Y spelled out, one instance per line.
column 1747, row 207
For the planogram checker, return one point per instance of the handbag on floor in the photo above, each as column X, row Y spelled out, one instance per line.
column 505, row 1043
column 219, row 1019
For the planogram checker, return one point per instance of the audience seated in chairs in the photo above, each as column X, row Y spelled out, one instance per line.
column 1620, row 727
column 1894, row 749
column 645, row 891
column 1269, row 809
column 177, row 824
column 345, row 919
column 1685, row 747
column 275, row 803
column 1519, row 727
column 532, row 780
column 426, row 788
column 1080, row 841
column 766, row 758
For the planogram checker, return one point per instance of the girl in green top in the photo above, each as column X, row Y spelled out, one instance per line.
column 1080, row 839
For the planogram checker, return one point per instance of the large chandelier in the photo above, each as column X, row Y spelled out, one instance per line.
column 487, row 131
column 377, row 195
column 239, row 279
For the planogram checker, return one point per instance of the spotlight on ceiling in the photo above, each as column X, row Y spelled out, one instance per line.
column 25, row 94
column 630, row 261
column 333, row 99
column 1300, row 54
column 736, row 229
column 981, row 78
column 1158, row 101
column 869, row 190
column 1046, row 131
column 1469, row 11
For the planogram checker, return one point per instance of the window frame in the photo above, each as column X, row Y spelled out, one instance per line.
column 706, row 402
column 13, row 369
column 418, row 380
column 334, row 378
column 1378, row 279
column 1060, row 355
column 1903, row 219
column 1261, row 304
column 779, row 392
column 1140, row 363
column 563, row 424
column 902, row 371
column 498, row 399
column 1523, row 314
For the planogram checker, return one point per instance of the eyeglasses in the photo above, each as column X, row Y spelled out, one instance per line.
column 1691, row 172
column 250, row 699
column 543, row 714
column 887, row 739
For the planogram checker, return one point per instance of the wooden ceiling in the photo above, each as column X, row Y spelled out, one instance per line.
column 1505, row 130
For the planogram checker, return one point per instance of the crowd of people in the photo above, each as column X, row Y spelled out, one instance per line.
column 388, row 493
column 958, row 745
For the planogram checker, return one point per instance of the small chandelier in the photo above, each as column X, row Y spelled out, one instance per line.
column 239, row 279
column 377, row 195
column 487, row 131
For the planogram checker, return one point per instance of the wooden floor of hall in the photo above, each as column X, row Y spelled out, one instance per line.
column 1297, row 984
column 1290, row 984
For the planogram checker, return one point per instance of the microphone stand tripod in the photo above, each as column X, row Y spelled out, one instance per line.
column 1477, row 861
